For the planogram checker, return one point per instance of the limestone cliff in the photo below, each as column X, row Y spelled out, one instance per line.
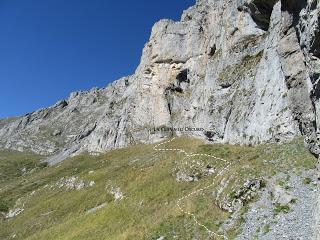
column 246, row 71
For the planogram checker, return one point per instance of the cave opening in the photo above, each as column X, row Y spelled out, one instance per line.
column 315, row 46
column 293, row 6
column 183, row 76
column 260, row 11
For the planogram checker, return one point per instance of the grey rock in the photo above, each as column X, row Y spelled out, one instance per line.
column 72, row 183
column 95, row 209
column 246, row 71
column 116, row 192
column 301, row 222
column 238, row 198
column 18, row 208
column 192, row 171
column 56, row 133
column 280, row 196
column 183, row 177
column 316, row 215
column 14, row 212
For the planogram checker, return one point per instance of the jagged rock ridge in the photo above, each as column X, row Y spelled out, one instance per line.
column 246, row 71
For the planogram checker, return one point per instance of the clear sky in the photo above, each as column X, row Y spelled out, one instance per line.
column 49, row 48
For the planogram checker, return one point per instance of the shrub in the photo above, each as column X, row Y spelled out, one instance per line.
column 3, row 206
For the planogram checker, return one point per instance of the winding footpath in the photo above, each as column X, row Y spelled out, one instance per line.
column 221, row 172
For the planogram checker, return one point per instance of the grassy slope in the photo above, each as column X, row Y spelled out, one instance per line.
column 148, row 209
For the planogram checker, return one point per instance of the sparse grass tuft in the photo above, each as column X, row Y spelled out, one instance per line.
column 307, row 181
column 281, row 209
column 266, row 228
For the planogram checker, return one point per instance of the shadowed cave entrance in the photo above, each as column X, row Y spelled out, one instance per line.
column 260, row 11
column 315, row 46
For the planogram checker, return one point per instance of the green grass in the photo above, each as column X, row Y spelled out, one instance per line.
column 266, row 228
column 4, row 207
column 12, row 164
column 147, row 181
column 282, row 209
column 307, row 181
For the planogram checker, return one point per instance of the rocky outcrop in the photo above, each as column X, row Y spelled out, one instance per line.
column 245, row 71
column 72, row 183
column 240, row 197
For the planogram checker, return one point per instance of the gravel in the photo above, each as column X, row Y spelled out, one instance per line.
column 262, row 222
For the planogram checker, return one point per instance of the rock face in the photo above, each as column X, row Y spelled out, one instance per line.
column 246, row 71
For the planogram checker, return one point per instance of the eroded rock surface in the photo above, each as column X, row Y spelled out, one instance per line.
column 246, row 71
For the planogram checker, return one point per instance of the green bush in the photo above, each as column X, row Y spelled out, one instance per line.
column 3, row 206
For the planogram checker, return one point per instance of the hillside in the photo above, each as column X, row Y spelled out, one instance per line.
column 148, row 192
column 246, row 72
column 216, row 135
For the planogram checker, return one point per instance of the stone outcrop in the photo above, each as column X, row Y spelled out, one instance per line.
column 240, row 197
column 246, row 71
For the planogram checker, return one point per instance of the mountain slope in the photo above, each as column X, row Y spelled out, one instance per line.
column 133, row 193
column 245, row 72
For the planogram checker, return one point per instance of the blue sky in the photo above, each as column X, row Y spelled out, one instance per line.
column 49, row 48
